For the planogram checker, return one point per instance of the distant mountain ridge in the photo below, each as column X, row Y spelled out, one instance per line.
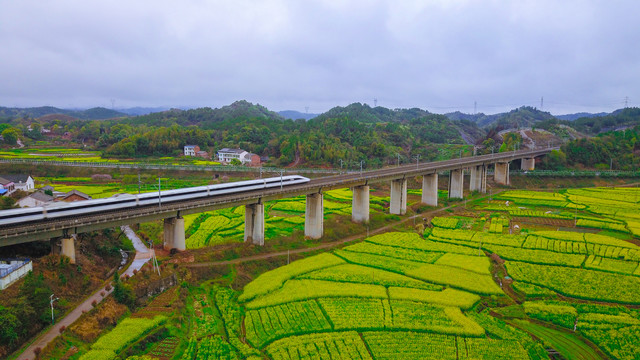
column 96, row 113
column 207, row 117
column 579, row 115
column 295, row 115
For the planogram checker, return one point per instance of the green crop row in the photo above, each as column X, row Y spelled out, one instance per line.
column 125, row 333
column 271, row 323
column 273, row 280
column 579, row 283
column 336, row 345
column 445, row 222
column 352, row 273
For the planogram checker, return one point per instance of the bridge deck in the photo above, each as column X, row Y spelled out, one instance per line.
column 47, row 229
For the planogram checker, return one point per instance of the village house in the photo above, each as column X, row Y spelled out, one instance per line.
column 6, row 186
column 38, row 198
column 73, row 195
column 21, row 181
column 246, row 158
column 191, row 150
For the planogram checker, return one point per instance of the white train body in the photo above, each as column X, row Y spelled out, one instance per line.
column 128, row 201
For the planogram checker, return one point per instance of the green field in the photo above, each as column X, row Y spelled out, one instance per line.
column 474, row 286
column 567, row 345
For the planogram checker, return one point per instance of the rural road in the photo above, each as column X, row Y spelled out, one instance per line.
column 142, row 256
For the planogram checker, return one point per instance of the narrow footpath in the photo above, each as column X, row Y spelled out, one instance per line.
column 323, row 245
column 142, row 256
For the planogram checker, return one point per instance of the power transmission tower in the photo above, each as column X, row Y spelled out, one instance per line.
column 113, row 104
column 475, row 107
column 306, row 109
column 626, row 101
column 375, row 102
column 542, row 103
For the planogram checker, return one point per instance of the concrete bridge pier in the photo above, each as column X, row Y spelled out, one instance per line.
column 174, row 234
column 254, row 223
column 501, row 173
column 398, row 198
column 430, row 189
column 360, row 204
column 69, row 248
column 478, row 178
column 456, row 184
column 528, row 164
column 314, row 216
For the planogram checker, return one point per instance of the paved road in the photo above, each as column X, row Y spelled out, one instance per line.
column 142, row 256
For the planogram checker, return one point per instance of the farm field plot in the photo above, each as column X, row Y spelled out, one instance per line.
column 282, row 218
column 494, row 292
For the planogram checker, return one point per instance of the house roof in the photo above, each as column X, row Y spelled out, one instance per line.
column 75, row 192
column 40, row 196
column 47, row 187
column 190, row 146
column 231, row 151
column 17, row 178
column 4, row 181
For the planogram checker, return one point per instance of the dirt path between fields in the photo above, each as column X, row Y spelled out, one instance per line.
column 329, row 244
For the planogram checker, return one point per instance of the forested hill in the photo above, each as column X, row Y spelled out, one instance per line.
column 96, row 113
column 366, row 114
column 206, row 118
column 323, row 140
column 524, row 116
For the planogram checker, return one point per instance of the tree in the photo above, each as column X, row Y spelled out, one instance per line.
column 6, row 202
column 555, row 160
column 123, row 293
column 235, row 162
column 36, row 292
column 10, row 136
column 9, row 326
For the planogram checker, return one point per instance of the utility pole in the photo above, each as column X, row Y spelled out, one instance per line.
column 398, row 164
column 51, row 300
column 417, row 160
column 138, row 180
column 361, row 163
column 159, row 193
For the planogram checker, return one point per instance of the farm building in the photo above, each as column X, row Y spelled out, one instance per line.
column 246, row 158
column 191, row 150
column 21, row 181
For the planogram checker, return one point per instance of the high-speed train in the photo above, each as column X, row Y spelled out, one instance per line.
column 127, row 201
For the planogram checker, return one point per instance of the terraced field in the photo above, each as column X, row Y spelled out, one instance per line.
column 495, row 292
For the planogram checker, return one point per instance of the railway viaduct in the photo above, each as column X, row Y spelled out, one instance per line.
column 64, row 229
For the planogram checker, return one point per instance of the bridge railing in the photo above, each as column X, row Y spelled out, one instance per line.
column 578, row 173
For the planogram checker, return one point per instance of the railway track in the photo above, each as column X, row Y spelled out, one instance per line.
column 39, row 230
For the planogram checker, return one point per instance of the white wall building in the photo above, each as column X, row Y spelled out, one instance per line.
column 12, row 270
column 226, row 155
column 21, row 182
column 36, row 199
column 191, row 150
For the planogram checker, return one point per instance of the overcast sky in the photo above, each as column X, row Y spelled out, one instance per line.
column 438, row 55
